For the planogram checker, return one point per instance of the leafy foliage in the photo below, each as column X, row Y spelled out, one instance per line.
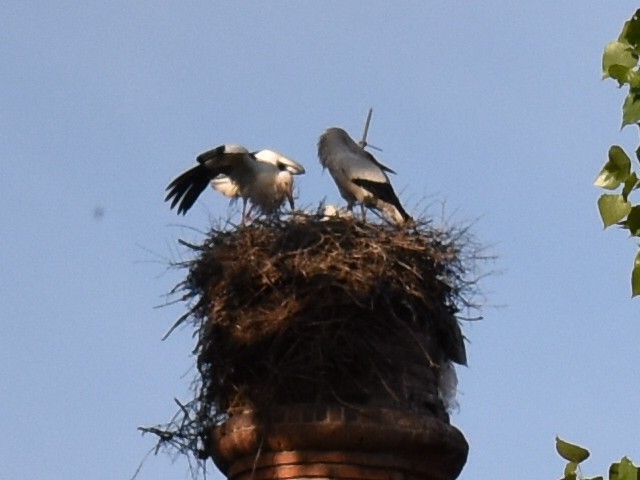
column 620, row 62
column 575, row 455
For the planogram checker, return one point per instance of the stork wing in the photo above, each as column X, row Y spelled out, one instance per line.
column 277, row 159
column 385, row 193
column 211, row 155
column 187, row 187
column 226, row 159
column 375, row 161
column 382, row 191
column 231, row 160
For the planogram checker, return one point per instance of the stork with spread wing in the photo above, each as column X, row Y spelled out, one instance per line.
column 263, row 178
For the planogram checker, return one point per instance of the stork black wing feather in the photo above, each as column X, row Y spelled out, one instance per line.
column 187, row 187
column 192, row 194
column 218, row 162
column 383, row 191
column 212, row 154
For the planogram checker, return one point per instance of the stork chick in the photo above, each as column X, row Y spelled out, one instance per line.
column 359, row 176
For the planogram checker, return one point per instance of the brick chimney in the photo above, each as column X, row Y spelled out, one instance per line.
column 332, row 441
column 398, row 429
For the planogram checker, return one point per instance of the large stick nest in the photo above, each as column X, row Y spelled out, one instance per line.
column 305, row 310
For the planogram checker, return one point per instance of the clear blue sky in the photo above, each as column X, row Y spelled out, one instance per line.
column 494, row 107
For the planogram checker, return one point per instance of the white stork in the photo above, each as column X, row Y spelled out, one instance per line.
column 359, row 176
column 264, row 178
column 230, row 188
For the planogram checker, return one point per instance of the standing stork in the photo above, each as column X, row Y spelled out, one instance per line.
column 263, row 178
column 359, row 176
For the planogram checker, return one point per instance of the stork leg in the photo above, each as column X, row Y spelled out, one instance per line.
column 244, row 211
column 363, row 210
column 250, row 212
column 350, row 209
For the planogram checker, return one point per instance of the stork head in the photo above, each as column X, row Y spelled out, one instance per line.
column 284, row 185
column 335, row 139
column 336, row 135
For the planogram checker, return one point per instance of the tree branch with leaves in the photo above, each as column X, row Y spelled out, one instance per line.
column 575, row 455
column 620, row 62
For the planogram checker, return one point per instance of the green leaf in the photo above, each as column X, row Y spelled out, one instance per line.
column 623, row 470
column 635, row 277
column 571, row 452
column 614, row 471
column 612, row 209
column 617, row 53
column 595, row 478
column 633, row 79
column 631, row 108
column 632, row 222
column 625, row 75
column 620, row 73
column 615, row 171
column 631, row 30
column 570, row 469
column 630, row 184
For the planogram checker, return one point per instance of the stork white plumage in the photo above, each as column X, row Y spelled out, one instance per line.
column 230, row 188
column 359, row 176
column 263, row 178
